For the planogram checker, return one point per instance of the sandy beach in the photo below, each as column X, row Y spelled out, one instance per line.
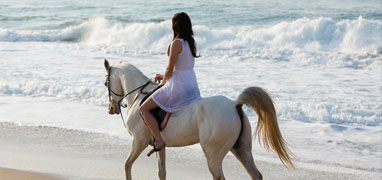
column 71, row 154
column 12, row 174
column 321, row 62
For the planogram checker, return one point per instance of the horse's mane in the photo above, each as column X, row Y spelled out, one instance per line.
column 127, row 69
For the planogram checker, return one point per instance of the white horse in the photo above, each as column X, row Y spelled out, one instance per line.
column 217, row 123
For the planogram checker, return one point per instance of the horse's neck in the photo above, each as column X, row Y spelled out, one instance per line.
column 130, row 80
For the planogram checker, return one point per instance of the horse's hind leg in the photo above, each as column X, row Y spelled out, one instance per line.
column 215, row 153
column 215, row 163
column 136, row 149
column 244, row 155
column 243, row 150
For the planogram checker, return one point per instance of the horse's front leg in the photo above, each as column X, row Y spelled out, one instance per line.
column 137, row 147
column 161, row 157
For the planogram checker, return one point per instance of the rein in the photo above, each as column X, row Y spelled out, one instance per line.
column 113, row 104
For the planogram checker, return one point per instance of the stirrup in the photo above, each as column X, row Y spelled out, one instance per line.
column 155, row 149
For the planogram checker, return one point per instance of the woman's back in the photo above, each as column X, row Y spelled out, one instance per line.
column 185, row 60
column 181, row 88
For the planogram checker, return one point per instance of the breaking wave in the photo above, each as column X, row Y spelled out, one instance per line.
column 346, row 43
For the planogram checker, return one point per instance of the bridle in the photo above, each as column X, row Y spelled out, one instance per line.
column 113, row 104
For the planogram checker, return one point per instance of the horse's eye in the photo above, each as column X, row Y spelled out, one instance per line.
column 106, row 84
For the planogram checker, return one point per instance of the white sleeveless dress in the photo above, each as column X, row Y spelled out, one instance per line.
column 181, row 88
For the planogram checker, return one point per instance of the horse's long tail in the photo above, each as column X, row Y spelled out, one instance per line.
column 267, row 128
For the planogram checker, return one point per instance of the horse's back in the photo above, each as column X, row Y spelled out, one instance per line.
column 207, row 119
column 219, row 112
column 220, row 108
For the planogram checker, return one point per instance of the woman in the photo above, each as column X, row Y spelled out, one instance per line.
column 179, row 85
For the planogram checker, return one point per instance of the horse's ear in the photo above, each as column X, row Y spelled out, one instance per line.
column 107, row 66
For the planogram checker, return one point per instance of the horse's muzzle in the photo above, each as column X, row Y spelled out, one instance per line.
column 113, row 110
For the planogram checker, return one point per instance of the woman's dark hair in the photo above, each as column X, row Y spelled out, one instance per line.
column 182, row 27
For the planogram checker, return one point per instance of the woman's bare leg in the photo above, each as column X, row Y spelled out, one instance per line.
column 151, row 122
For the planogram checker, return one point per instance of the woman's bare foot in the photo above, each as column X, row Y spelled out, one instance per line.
column 158, row 145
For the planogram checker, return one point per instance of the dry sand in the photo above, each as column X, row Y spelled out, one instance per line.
column 71, row 154
column 12, row 174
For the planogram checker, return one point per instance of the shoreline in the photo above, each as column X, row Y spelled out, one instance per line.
column 82, row 155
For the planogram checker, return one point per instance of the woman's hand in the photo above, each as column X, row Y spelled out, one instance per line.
column 162, row 83
column 158, row 77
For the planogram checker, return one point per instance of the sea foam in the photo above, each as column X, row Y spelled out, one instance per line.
column 85, row 94
column 320, row 41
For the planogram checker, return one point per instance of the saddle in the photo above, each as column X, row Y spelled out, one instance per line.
column 159, row 114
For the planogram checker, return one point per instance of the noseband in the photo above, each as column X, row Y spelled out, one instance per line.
column 113, row 104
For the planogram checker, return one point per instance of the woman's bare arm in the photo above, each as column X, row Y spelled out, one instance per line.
column 175, row 49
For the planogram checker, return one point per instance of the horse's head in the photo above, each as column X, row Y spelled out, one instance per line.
column 114, row 88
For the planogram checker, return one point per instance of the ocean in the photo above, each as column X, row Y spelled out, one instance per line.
column 320, row 60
